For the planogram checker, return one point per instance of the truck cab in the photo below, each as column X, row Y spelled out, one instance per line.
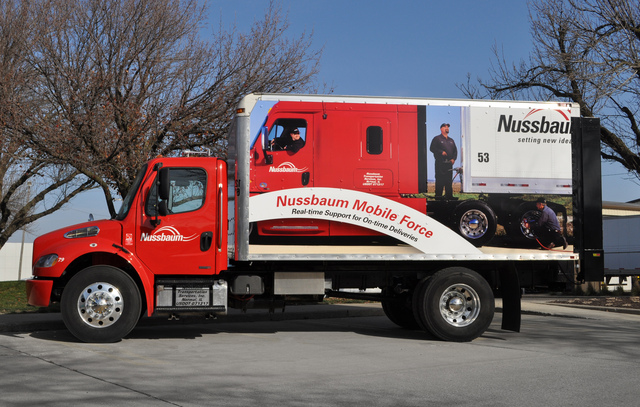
column 171, row 224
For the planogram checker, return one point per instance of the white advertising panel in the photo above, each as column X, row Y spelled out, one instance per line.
column 358, row 208
column 517, row 150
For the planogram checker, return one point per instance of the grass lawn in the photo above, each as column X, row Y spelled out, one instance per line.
column 13, row 298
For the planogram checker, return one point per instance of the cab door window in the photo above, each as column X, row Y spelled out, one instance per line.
column 280, row 133
column 186, row 194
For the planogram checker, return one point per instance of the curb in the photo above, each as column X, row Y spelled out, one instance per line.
column 597, row 308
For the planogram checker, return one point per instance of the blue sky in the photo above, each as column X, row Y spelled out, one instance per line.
column 396, row 48
column 408, row 48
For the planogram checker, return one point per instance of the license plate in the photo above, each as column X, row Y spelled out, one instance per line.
column 192, row 297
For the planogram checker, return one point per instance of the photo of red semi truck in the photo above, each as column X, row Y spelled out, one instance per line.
column 342, row 206
column 507, row 151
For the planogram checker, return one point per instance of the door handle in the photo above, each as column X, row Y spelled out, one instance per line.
column 305, row 178
column 206, row 238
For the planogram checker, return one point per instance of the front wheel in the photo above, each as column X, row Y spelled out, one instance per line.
column 101, row 304
column 455, row 304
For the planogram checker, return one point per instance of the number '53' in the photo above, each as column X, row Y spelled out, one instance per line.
column 483, row 157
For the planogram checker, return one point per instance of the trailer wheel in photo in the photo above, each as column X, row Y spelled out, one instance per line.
column 476, row 222
column 520, row 230
column 455, row 304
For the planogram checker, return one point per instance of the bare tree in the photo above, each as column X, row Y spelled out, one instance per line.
column 30, row 187
column 122, row 81
column 585, row 51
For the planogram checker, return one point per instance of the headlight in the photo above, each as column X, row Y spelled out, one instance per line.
column 49, row 260
column 84, row 232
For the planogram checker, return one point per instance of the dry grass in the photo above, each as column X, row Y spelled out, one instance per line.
column 431, row 187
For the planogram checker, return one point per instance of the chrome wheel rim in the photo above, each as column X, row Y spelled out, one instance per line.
column 459, row 305
column 474, row 224
column 100, row 305
column 527, row 219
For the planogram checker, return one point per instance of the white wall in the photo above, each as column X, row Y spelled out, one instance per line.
column 10, row 261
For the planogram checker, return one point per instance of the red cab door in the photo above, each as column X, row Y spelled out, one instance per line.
column 187, row 239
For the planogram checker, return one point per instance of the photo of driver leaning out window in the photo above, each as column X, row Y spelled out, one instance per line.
column 289, row 141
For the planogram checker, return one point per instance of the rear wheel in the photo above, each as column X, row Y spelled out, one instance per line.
column 101, row 304
column 455, row 304
column 399, row 311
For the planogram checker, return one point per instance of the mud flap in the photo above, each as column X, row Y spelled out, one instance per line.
column 511, row 306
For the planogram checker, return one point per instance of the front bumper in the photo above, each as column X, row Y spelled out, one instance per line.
column 39, row 292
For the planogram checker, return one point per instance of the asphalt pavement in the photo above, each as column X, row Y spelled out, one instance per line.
column 531, row 304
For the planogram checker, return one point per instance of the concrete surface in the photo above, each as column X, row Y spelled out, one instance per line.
column 328, row 356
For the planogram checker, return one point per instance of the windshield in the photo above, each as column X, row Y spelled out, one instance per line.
column 126, row 202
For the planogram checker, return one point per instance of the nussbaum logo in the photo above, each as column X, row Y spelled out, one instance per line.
column 532, row 124
column 166, row 234
column 287, row 167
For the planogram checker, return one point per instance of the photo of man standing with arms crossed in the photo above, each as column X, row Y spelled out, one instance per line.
column 445, row 154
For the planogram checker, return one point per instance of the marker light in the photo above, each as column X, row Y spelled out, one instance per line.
column 84, row 232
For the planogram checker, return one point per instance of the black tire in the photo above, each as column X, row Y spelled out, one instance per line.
column 101, row 304
column 400, row 311
column 476, row 222
column 416, row 303
column 455, row 304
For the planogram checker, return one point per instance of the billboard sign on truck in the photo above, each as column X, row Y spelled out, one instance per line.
column 365, row 153
column 361, row 209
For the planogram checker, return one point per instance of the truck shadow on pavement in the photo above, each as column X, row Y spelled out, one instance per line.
column 195, row 329
column 618, row 338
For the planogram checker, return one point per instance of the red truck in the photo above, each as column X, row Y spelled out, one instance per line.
column 321, row 195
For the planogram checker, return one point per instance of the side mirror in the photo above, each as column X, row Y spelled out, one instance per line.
column 264, row 138
column 164, row 185
column 163, row 188
column 163, row 210
column 264, row 141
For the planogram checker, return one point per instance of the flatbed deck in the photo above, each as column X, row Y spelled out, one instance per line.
column 400, row 252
